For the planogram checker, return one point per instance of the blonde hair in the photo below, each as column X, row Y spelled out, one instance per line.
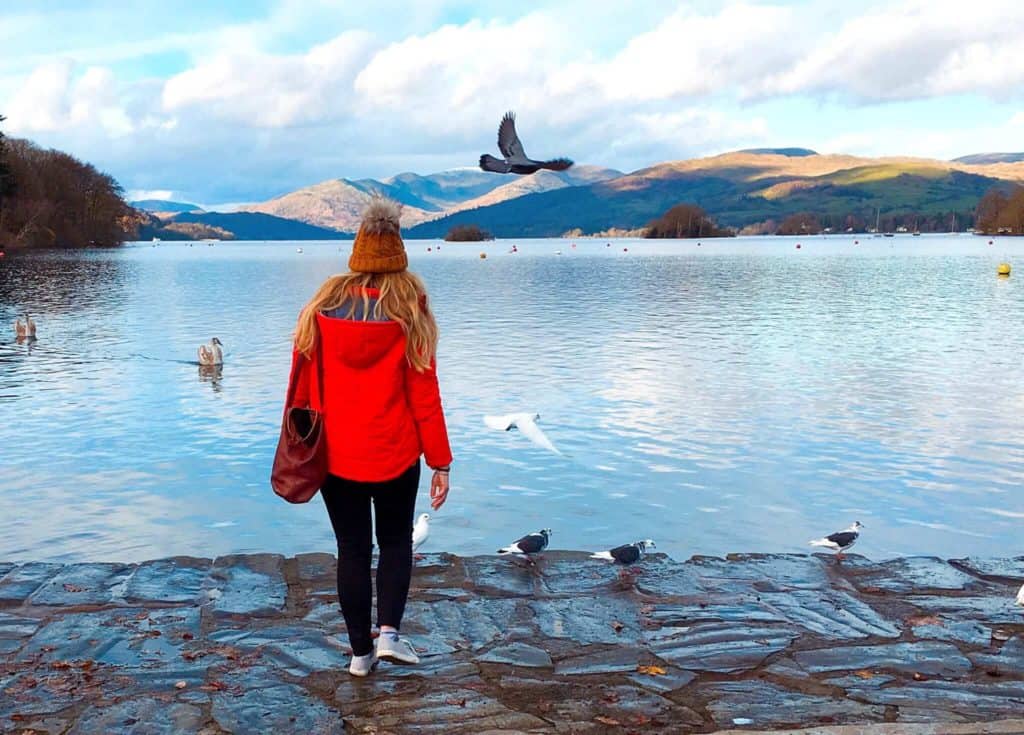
column 403, row 298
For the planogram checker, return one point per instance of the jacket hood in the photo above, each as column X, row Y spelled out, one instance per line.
column 359, row 344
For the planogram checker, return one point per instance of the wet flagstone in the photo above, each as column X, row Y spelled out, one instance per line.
column 256, row 643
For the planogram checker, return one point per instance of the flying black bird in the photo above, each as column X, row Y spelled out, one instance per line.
column 516, row 160
column 841, row 541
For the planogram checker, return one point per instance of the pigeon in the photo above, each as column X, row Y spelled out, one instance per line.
column 1020, row 596
column 515, row 160
column 420, row 532
column 628, row 554
column 841, row 541
column 532, row 543
column 211, row 354
column 526, row 423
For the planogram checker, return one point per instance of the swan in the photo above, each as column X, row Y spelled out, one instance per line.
column 211, row 354
column 25, row 328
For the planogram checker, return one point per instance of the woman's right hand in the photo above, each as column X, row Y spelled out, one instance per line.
column 438, row 489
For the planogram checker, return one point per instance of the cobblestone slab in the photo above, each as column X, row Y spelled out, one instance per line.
column 256, row 644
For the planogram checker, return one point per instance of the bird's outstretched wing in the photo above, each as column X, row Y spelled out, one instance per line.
column 205, row 355
column 557, row 164
column 499, row 423
column 508, row 142
column 532, row 432
column 495, row 165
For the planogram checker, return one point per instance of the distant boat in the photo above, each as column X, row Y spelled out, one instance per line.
column 298, row 250
column 888, row 234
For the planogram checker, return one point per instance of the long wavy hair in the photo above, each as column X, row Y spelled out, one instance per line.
column 403, row 298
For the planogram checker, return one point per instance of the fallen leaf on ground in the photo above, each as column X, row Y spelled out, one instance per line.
column 651, row 670
column 74, row 588
column 187, row 636
column 456, row 702
column 617, row 626
column 864, row 674
column 924, row 620
column 607, row 720
column 180, row 685
column 920, row 677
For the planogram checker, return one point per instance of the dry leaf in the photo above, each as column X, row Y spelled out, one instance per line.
column 920, row 677
column 865, row 674
column 74, row 588
column 181, row 685
column 617, row 626
column 187, row 636
column 607, row 720
column 924, row 620
column 651, row 670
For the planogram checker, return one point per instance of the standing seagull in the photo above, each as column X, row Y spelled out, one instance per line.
column 840, row 541
column 526, row 423
column 532, row 543
column 211, row 354
column 420, row 532
column 516, row 160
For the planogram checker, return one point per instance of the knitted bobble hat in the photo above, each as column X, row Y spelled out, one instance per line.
column 378, row 247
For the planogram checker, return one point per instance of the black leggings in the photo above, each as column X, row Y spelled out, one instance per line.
column 394, row 502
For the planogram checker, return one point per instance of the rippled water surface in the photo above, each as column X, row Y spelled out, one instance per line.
column 739, row 395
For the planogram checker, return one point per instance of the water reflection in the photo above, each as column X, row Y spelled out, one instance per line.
column 697, row 394
column 211, row 374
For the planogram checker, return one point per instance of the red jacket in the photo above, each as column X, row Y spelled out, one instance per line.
column 380, row 413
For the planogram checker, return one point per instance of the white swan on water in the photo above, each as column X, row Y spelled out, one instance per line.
column 211, row 354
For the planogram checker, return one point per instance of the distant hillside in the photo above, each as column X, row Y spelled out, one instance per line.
column 987, row 158
column 338, row 204
column 743, row 189
column 160, row 205
column 257, row 226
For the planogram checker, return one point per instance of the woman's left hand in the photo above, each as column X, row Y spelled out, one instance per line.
column 438, row 490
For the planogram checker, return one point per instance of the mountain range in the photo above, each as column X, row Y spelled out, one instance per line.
column 744, row 189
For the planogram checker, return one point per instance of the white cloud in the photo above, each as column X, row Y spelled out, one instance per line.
column 259, row 110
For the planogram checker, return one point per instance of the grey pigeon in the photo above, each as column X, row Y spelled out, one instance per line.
column 515, row 159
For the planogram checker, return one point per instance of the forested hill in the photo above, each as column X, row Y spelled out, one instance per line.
column 51, row 199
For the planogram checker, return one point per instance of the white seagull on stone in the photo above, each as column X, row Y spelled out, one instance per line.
column 627, row 554
column 515, row 159
column 1020, row 596
column 526, row 423
column 841, row 540
column 531, row 543
column 420, row 532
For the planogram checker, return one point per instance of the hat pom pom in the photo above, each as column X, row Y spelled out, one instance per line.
column 382, row 215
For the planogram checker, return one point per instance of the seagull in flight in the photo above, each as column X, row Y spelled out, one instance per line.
column 840, row 541
column 526, row 423
column 515, row 160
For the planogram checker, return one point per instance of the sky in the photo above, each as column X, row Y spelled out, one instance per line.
column 239, row 101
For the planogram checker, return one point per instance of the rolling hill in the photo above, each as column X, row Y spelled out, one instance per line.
column 160, row 205
column 338, row 204
column 744, row 188
column 256, row 226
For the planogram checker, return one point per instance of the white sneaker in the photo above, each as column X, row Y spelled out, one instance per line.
column 392, row 647
column 362, row 665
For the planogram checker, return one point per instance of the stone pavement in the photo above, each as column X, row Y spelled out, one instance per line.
column 255, row 644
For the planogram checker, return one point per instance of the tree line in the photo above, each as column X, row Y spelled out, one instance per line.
column 1001, row 211
column 51, row 199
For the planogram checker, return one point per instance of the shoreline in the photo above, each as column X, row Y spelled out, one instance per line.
column 255, row 643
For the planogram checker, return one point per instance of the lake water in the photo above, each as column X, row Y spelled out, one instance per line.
column 739, row 395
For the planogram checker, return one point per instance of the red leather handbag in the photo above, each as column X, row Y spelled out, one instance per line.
column 300, row 463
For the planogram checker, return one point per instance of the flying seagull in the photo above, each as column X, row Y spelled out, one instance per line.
column 515, row 160
column 526, row 423
column 628, row 554
column 840, row 541
column 531, row 543
column 420, row 532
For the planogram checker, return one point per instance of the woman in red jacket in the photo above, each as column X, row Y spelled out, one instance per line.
column 382, row 411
